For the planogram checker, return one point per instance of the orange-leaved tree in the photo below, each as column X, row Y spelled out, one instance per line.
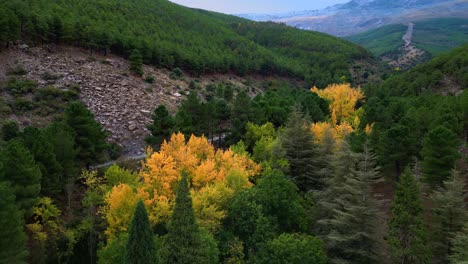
column 215, row 176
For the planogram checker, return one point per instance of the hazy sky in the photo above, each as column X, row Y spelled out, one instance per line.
column 257, row 6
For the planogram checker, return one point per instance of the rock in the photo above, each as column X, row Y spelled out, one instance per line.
column 145, row 111
column 132, row 127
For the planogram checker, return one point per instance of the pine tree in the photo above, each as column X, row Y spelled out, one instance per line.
column 43, row 152
column 136, row 62
column 12, row 236
column 241, row 114
column 140, row 247
column 352, row 210
column 439, row 154
column 408, row 235
column 90, row 138
column 460, row 247
column 449, row 215
column 23, row 173
column 301, row 152
column 184, row 243
column 189, row 116
column 162, row 127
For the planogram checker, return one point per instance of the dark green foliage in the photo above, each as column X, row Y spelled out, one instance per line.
column 449, row 216
column 136, row 62
column 12, row 236
column 43, row 152
column 241, row 114
column 185, row 243
column 439, row 153
column 395, row 147
column 292, row 249
column 19, row 87
column 162, row 127
column 246, row 221
column 62, row 140
column 115, row 251
column 350, row 213
column 23, row 173
column 189, row 118
column 90, row 138
column 280, row 202
column 10, row 130
column 303, row 169
column 168, row 35
column 407, row 234
column 140, row 245
column 177, row 74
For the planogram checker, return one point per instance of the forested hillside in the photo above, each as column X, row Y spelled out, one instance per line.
column 168, row 35
column 236, row 170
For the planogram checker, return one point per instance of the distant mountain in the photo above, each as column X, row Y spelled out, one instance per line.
column 359, row 16
column 433, row 36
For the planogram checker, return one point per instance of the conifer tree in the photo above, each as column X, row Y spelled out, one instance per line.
column 140, row 247
column 136, row 62
column 449, row 216
column 23, row 173
column 301, row 152
column 162, row 127
column 353, row 211
column 90, row 138
column 12, row 236
column 184, row 243
column 189, row 116
column 241, row 114
column 459, row 253
column 439, row 154
column 407, row 233
column 43, row 152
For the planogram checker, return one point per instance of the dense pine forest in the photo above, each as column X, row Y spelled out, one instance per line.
column 331, row 173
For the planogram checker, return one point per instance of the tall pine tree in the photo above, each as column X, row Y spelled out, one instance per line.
column 449, row 216
column 408, row 235
column 439, row 154
column 12, row 236
column 301, row 152
column 90, row 138
column 184, row 243
column 140, row 245
column 162, row 127
column 23, row 173
column 460, row 247
column 353, row 212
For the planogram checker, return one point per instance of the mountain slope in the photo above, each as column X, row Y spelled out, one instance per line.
column 358, row 16
column 169, row 35
column 433, row 36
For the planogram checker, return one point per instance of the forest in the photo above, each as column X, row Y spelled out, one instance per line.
column 334, row 173
column 168, row 35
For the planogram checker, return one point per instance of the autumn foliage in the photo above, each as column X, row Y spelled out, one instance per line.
column 214, row 177
column 345, row 117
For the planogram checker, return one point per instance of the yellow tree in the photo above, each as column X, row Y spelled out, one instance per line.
column 345, row 118
column 214, row 175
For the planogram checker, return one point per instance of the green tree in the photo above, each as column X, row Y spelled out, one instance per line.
column 460, row 247
column 23, row 173
column 136, row 62
column 90, row 138
column 241, row 114
column 10, row 130
column 449, row 216
column 12, row 236
column 44, row 155
column 407, row 233
column 439, row 154
column 184, row 242
column 190, row 115
column 140, row 245
column 292, row 249
column 301, row 152
column 350, row 216
column 396, row 147
column 162, row 127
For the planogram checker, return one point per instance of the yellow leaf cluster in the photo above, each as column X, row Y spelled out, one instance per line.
column 215, row 176
column 345, row 118
column 342, row 99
